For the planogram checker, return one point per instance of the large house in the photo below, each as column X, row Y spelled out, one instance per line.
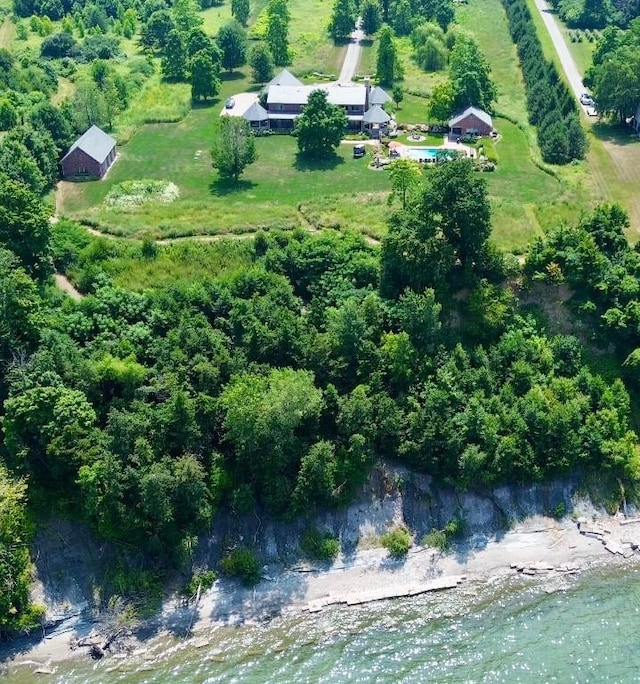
column 285, row 96
column 90, row 156
column 471, row 120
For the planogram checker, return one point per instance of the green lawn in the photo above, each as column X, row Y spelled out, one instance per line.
column 313, row 50
column 517, row 188
column 487, row 21
column 267, row 196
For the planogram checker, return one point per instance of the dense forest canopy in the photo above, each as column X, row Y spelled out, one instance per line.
column 278, row 387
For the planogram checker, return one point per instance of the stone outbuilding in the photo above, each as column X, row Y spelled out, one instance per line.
column 473, row 121
column 90, row 156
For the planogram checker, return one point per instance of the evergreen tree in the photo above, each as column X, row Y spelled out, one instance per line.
column 387, row 59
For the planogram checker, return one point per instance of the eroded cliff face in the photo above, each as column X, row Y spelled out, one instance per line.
column 393, row 496
column 72, row 566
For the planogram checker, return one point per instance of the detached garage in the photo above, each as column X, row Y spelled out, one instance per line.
column 472, row 120
column 90, row 156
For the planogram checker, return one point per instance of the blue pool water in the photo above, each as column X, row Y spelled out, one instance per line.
column 427, row 154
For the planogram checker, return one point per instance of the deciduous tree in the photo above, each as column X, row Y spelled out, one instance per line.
column 342, row 21
column 371, row 16
column 24, row 227
column 320, row 127
column 232, row 40
column 240, row 11
column 277, row 33
column 205, row 76
column 233, row 147
column 406, row 176
column 261, row 63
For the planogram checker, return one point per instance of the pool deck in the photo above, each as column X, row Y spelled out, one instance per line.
column 447, row 144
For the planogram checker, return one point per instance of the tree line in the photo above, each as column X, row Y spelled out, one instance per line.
column 551, row 106
column 614, row 75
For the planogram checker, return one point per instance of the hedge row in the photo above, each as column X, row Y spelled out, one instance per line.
column 551, row 106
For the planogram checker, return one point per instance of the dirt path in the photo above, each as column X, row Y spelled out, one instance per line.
column 7, row 31
column 65, row 285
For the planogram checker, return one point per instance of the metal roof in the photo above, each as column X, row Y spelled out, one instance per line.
column 256, row 113
column 284, row 78
column 378, row 96
column 94, row 142
column 376, row 115
column 479, row 113
column 298, row 95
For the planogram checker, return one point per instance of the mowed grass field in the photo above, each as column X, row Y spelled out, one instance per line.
column 267, row 195
column 612, row 167
column 280, row 192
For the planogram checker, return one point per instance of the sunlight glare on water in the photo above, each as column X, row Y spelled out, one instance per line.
column 510, row 632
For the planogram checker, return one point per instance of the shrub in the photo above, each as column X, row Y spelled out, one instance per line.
column 397, row 542
column 204, row 580
column 58, row 45
column 441, row 539
column 318, row 546
column 243, row 564
column 437, row 539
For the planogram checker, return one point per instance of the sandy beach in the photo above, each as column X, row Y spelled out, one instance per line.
column 542, row 549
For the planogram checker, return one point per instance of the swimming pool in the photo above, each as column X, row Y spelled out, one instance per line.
column 427, row 154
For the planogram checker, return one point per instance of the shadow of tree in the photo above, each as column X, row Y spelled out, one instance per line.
column 227, row 186
column 205, row 104
column 618, row 134
column 328, row 163
column 231, row 76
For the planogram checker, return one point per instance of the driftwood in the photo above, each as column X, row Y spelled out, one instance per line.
column 96, row 648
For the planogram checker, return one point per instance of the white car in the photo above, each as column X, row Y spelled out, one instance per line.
column 586, row 100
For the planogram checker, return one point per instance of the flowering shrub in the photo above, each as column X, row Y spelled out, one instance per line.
column 137, row 192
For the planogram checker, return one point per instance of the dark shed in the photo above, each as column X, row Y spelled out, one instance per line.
column 90, row 156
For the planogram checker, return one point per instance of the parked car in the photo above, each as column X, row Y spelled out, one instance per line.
column 586, row 100
column 230, row 103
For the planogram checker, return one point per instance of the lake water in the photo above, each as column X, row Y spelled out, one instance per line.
column 505, row 631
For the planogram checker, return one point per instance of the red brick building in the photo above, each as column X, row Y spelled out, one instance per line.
column 471, row 120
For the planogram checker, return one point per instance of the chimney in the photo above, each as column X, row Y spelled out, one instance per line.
column 367, row 90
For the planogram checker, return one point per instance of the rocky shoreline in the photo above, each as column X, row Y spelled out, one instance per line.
column 536, row 548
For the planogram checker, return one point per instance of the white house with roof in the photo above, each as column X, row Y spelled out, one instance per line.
column 361, row 103
column 284, row 97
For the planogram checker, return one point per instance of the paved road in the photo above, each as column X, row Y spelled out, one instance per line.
column 569, row 66
column 352, row 56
